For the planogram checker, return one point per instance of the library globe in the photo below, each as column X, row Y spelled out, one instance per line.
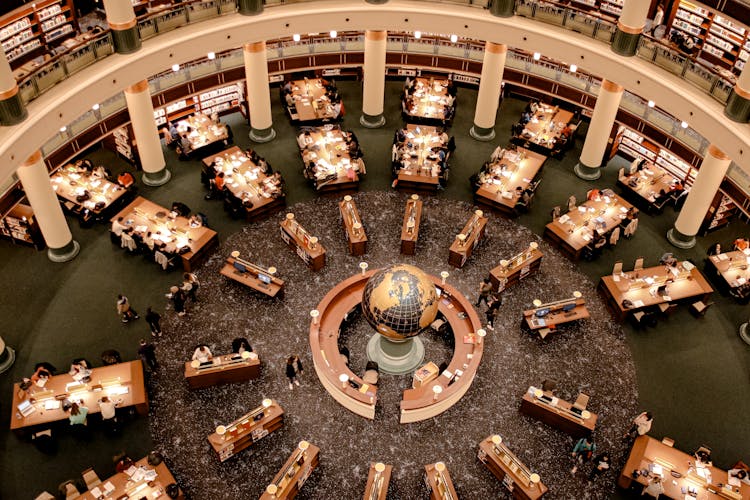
column 399, row 302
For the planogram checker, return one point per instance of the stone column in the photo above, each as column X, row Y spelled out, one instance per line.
column 630, row 26
column 7, row 356
column 490, row 85
column 738, row 104
column 250, row 7
column 150, row 152
column 12, row 108
column 373, row 87
column 122, row 22
column 707, row 182
column 597, row 137
column 258, row 93
column 502, row 8
column 35, row 181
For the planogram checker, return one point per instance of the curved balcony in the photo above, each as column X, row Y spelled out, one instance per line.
column 213, row 25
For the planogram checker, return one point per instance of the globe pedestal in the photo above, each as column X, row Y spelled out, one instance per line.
column 395, row 358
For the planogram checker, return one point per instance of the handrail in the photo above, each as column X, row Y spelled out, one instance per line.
column 593, row 24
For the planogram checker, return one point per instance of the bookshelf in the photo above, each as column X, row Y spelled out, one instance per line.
column 633, row 145
column 219, row 100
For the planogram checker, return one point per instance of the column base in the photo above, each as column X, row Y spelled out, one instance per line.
column 587, row 173
column 481, row 133
column 262, row 135
column 503, row 8
column 376, row 1
column 156, row 179
column 7, row 358
column 744, row 334
column 625, row 44
column 372, row 121
column 680, row 240
column 395, row 358
column 64, row 254
column 126, row 41
column 737, row 108
column 12, row 111
column 250, row 7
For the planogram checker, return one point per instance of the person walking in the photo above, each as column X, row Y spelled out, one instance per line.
column 602, row 463
column 298, row 366
column 291, row 372
column 153, row 319
column 147, row 352
column 485, row 288
column 177, row 295
column 582, row 452
column 641, row 425
column 493, row 306
column 190, row 278
column 124, row 310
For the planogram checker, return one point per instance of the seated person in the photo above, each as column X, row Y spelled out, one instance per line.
column 202, row 354
column 703, row 458
column 240, row 345
column 180, row 208
column 525, row 118
column 40, row 376
column 738, row 476
column 101, row 172
column 125, row 179
column 668, row 260
column 195, row 221
column 305, row 139
column 107, row 408
column 741, row 244
column 80, row 371
column 78, row 414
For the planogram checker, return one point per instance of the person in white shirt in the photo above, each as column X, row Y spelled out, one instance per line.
column 107, row 408
column 738, row 476
column 654, row 487
column 641, row 425
column 658, row 18
column 202, row 354
column 118, row 226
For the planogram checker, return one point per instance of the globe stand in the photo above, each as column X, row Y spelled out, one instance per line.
column 395, row 358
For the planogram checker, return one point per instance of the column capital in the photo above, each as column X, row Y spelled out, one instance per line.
column 630, row 30
column 7, row 94
column 254, row 46
column 35, row 158
column 122, row 26
column 495, row 48
column 611, row 86
column 745, row 94
column 137, row 88
column 376, row 35
column 717, row 153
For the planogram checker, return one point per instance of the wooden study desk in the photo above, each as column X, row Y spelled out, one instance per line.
column 559, row 313
column 311, row 104
column 292, row 476
column 427, row 100
column 507, row 468
column 71, row 182
column 224, row 369
column 571, row 233
column 135, row 483
column 732, row 269
column 544, row 128
column 557, row 413
column 250, row 275
column 517, row 268
column 438, row 481
column 417, row 404
column 648, row 452
column 644, row 186
column 306, row 246
column 356, row 238
column 378, row 479
column 410, row 226
column 261, row 194
column 122, row 383
column 204, row 132
column 176, row 233
column 230, row 439
column 640, row 288
column 420, row 166
column 469, row 238
column 333, row 168
column 498, row 183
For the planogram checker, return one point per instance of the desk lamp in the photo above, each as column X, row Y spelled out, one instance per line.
column 496, row 442
column 314, row 315
column 235, row 253
column 481, row 333
column 436, row 389
column 534, row 479
column 344, row 379
column 363, row 266
column 444, row 275
column 272, row 489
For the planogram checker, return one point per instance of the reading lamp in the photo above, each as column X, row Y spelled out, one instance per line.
column 271, row 489
column 363, row 266
column 537, row 302
column 272, row 270
column 344, row 379
column 444, row 274
column 481, row 333
column 534, row 479
column 379, row 467
column 303, row 446
column 440, row 466
column 314, row 315
column 267, row 403
column 461, row 239
column 577, row 294
column 313, row 242
column 235, row 253
column 436, row 389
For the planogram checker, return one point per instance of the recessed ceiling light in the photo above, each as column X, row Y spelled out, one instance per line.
column 95, row 107
column 175, row 68
column 651, row 104
column 63, row 128
column 295, row 37
column 417, row 34
column 684, row 124
column 333, row 33
column 212, row 55
column 454, row 38
column 537, row 56
column 573, row 68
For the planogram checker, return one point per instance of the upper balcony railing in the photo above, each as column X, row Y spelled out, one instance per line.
column 598, row 27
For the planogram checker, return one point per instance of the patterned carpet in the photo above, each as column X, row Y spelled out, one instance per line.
column 590, row 357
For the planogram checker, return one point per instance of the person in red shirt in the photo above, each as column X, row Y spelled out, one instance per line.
column 741, row 244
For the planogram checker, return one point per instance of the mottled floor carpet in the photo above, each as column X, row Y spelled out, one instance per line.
column 591, row 356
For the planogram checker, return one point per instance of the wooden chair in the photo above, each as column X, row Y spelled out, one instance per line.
column 621, row 173
column 68, row 490
column 699, row 308
column 90, row 478
column 638, row 264
column 549, row 385
column 581, row 401
column 571, row 203
column 630, row 228
column 614, row 237
column 617, row 268
column 668, row 441
column 667, row 308
column 556, row 212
